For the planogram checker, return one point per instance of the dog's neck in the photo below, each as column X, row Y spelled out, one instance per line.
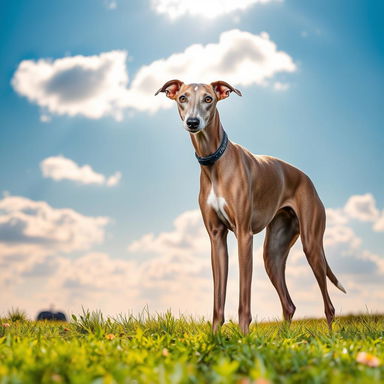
column 208, row 140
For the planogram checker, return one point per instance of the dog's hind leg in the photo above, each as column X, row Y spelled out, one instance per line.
column 312, row 226
column 281, row 234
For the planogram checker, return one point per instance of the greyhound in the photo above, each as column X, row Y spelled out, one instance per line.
column 245, row 193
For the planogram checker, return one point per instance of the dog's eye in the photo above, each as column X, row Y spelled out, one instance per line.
column 182, row 99
column 208, row 99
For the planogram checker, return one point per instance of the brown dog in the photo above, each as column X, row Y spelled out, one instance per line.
column 246, row 193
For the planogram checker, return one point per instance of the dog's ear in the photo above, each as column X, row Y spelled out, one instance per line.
column 223, row 89
column 170, row 88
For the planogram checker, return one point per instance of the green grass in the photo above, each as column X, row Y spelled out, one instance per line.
column 162, row 349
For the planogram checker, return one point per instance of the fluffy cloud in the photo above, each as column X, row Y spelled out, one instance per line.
column 102, row 272
column 28, row 226
column 240, row 58
column 92, row 86
column 358, row 207
column 62, row 168
column 32, row 231
column 97, row 86
column 172, row 277
column 97, row 280
column 172, row 269
column 183, row 256
column 205, row 8
column 188, row 237
column 362, row 207
column 379, row 224
column 341, row 234
column 335, row 217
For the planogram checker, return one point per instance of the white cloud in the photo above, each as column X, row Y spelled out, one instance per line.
column 358, row 207
column 183, row 255
column 92, row 86
column 115, row 285
column 375, row 259
column 188, row 237
column 172, row 269
column 206, row 8
column 36, row 227
column 62, row 168
column 240, row 58
column 172, row 277
column 378, row 226
column 335, row 216
column 97, row 86
column 362, row 207
column 31, row 231
column 341, row 234
column 102, row 272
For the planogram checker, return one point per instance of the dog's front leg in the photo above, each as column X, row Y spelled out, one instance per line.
column 219, row 259
column 245, row 245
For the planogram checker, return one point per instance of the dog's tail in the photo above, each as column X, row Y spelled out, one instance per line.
column 334, row 280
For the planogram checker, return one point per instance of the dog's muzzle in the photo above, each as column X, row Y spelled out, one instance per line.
column 193, row 124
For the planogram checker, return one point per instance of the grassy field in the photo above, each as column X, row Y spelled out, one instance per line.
column 162, row 349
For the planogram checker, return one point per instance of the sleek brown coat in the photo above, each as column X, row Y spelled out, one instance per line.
column 246, row 193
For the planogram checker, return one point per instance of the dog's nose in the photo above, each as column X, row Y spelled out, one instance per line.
column 193, row 122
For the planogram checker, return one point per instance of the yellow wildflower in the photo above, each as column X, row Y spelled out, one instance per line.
column 110, row 336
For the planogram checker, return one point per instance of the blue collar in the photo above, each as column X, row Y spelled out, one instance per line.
column 211, row 159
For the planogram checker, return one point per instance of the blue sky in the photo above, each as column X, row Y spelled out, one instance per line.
column 317, row 104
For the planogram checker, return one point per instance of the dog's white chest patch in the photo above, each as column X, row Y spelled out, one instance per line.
column 218, row 204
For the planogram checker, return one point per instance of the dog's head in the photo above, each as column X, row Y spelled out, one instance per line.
column 196, row 102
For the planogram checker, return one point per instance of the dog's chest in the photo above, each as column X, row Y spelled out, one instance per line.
column 218, row 204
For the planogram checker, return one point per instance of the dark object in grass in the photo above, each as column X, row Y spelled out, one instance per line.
column 53, row 316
